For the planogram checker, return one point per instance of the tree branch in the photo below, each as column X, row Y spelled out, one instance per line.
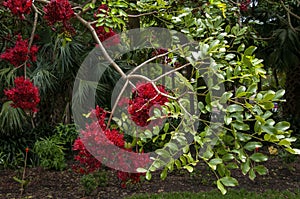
column 143, row 14
column 289, row 11
column 106, row 55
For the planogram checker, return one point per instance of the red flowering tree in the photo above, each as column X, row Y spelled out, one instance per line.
column 24, row 94
column 237, row 115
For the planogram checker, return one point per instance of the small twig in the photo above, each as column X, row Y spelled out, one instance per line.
column 171, row 71
column 152, row 59
column 43, row 1
column 152, row 82
column 289, row 11
column 106, row 55
column 290, row 22
column 24, row 172
column 116, row 104
column 143, row 14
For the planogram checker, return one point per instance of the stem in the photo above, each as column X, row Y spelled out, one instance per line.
column 23, row 176
column 289, row 11
column 116, row 103
column 143, row 14
column 106, row 55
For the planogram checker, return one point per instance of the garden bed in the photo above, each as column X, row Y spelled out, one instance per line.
column 66, row 184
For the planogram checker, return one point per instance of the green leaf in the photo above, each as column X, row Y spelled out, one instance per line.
column 189, row 168
column 240, row 90
column 279, row 94
column 229, row 181
column 259, row 157
column 252, row 88
column 252, row 175
column 141, row 170
column 228, row 157
column 148, row 175
column 250, row 146
column 260, row 169
column 250, row 50
column 282, row 126
column 240, row 126
column 244, row 137
column 221, row 187
column 163, row 153
column 164, row 173
column 293, row 151
column 245, row 166
column 224, row 98
column 269, row 95
column 269, row 129
column 227, row 119
column 285, row 143
column 234, row 108
column 267, row 105
column 241, row 48
column 215, row 161
column 178, row 164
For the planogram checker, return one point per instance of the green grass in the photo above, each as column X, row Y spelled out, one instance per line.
column 232, row 194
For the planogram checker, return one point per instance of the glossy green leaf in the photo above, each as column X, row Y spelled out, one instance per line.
column 234, row 108
column 252, row 174
column 258, row 157
column 250, row 146
column 260, row 169
column 221, row 187
column 229, row 181
column 282, row 126
column 250, row 50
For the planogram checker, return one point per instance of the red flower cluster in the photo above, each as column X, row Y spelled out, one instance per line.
column 58, row 11
column 160, row 51
column 102, row 9
column 100, row 139
column 24, row 95
column 105, row 32
column 18, row 7
column 19, row 54
column 244, row 5
column 145, row 97
column 133, row 178
column 89, row 163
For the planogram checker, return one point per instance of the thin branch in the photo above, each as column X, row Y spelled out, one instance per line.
column 34, row 26
column 171, row 71
column 290, row 22
column 148, row 61
column 116, row 104
column 106, row 55
column 152, row 59
column 289, row 11
column 143, row 14
column 152, row 82
column 32, row 35
column 42, row 1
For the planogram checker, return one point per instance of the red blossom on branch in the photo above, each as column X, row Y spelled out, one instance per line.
column 58, row 11
column 102, row 9
column 105, row 33
column 24, row 95
column 100, row 139
column 19, row 54
column 18, row 7
column 144, row 98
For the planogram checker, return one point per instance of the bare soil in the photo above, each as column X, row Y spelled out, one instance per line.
column 66, row 184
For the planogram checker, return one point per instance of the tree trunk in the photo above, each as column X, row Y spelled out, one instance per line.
column 292, row 86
